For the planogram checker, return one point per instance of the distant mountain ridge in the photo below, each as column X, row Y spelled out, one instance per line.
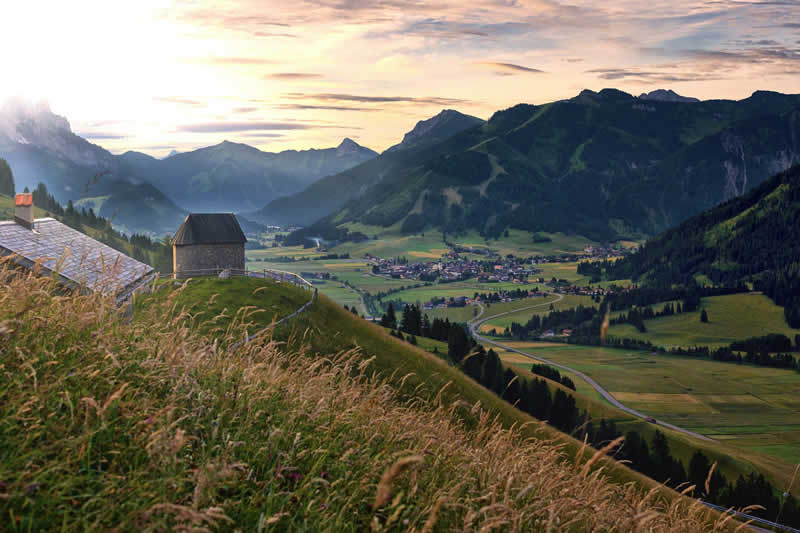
column 41, row 147
column 330, row 193
column 668, row 95
column 237, row 177
column 606, row 165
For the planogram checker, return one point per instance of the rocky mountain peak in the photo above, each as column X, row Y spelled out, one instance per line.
column 446, row 123
column 666, row 95
column 18, row 114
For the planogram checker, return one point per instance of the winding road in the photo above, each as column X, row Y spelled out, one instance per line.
column 476, row 322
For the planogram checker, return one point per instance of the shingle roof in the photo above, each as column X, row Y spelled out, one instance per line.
column 210, row 228
column 76, row 257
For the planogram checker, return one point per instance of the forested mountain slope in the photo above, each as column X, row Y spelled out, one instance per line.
column 752, row 238
column 330, row 193
column 605, row 165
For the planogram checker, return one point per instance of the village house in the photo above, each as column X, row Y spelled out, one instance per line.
column 207, row 244
column 74, row 259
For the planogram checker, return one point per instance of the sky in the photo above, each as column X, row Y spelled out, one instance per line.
column 157, row 76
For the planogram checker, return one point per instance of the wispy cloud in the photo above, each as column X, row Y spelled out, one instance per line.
column 262, row 135
column 645, row 76
column 242, row 60
column 292, row 76
column 511, row 67
column 245, row 109
column 343, row 97
column 100, row 135
column 179, row 100
column 224, row 127
column 311, row 107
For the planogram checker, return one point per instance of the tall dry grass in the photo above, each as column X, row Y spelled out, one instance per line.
column 148, row 426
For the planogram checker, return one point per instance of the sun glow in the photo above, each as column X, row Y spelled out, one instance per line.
column 134, row 75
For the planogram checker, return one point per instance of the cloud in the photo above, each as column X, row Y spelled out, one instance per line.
column 262, row 135
column 646, row 76
column 179, row 100
column 306, row 107
column 512, row 67
column 245, row 109
column 225, row 127
column 100, row 135
column 339, row 97
column 293, row 75
column 220, row 127
column 229, row 60
column 744, row 55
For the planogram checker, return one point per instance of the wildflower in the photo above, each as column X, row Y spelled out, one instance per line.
column 149, row 420
column 323, row 474
column 71, row 372
column 297, row 476
column 30, row 489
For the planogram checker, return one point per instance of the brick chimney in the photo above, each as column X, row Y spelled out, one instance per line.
column 23, row 215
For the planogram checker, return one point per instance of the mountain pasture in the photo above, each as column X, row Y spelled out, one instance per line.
column 732, row 317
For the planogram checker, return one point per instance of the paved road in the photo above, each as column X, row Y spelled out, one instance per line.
column 476, row 322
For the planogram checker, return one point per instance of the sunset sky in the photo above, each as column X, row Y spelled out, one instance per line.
column 157, row 75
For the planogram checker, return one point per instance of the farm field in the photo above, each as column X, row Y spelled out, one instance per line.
column 750, row 407
column 732, row 317
column 520, row 243
column 500, row 323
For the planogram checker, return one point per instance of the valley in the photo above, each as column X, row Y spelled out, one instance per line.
column 683, row 342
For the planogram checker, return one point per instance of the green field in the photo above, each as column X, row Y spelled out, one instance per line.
column 521, row 317
column 751, row 407
column 520, row 243
column 732, row 317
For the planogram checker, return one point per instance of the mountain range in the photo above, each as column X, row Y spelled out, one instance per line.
column 605, row 165
column 330, row 193
column 236, row 177
column 144, row 194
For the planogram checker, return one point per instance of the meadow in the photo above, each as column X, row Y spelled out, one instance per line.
column 752, row 407
column 151, row 424
column 500, row 323
column 730, row 318
column 520, row 243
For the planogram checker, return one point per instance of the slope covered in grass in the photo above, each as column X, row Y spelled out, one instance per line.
column 328, row 328
column 732, row 317
column 150, row 425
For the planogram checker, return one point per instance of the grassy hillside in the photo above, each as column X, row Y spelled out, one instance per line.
column 148, row 424
column 731, row 318
column 329, row 328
